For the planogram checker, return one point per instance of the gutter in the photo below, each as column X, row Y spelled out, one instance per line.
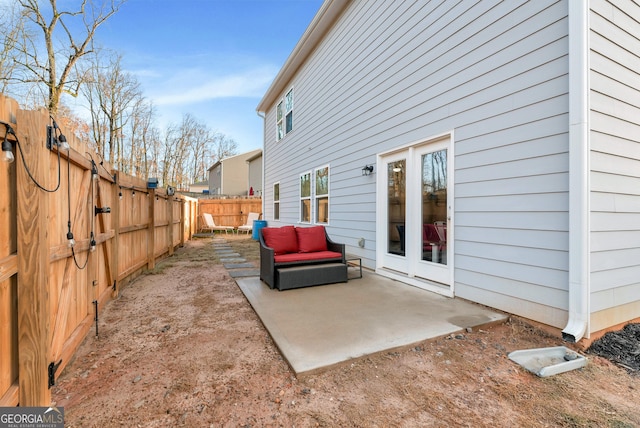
column 579, row 174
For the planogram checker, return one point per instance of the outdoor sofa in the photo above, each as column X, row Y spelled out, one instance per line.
column 294, row 257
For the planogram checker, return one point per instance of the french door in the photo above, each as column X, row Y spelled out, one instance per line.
column 414, row 214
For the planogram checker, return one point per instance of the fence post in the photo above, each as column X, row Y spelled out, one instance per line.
column 151, row 236
column 34, row 312
column 183, row 213
column 115, row 244
column 170, row 231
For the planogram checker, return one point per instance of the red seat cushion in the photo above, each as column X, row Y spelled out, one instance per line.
column 303, row 257
column 311, row 239
column 283, row 239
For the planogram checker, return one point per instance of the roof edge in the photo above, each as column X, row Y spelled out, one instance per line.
column 317, row 29
column 249, row 154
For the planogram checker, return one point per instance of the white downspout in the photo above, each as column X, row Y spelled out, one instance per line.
column 264, row 156
column 579, row 173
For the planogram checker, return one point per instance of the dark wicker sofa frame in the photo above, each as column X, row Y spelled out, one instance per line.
column 297, row 274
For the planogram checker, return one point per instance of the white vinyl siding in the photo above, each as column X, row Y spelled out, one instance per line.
column 615, row 159
column 494, row 73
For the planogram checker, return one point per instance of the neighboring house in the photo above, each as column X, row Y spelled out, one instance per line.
column 255, row 174
column 228, row 176
column 200, row 187
column 486, row 150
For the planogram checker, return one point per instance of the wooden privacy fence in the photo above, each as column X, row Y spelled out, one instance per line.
column 51, row 293
column 230, row 212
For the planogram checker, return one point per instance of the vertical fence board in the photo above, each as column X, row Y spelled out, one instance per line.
column 33, row 264
column 115, row 246
column 171, row 226
column 151, row 234
column 8, row 268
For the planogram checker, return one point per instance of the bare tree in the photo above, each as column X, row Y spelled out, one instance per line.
column 153, row 147
column 223, row 147
column 141, row 137
column 56, row 70
column 111, row 93
column 189, row 149
column 72, row 123
column 11, row 28
column 183, row 144
column 168, row 154
column 200, row 146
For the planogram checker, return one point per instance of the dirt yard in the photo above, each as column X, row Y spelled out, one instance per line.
column 182, row 347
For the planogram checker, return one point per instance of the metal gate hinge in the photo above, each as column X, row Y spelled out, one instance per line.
column 53, row 367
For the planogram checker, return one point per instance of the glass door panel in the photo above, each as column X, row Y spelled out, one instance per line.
column 393, row 244
column 396, row 207
column 433, row 189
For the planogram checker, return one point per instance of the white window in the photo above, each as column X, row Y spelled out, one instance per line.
column 305, row 197
column 279, row 123
column 284, row 116
column 276, row 201
column 322, row 195
column 314, row 196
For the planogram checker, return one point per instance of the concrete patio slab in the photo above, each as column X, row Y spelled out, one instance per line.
column 317, row 327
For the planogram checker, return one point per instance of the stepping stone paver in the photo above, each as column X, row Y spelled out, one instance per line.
column 239, row 265
column 229, row 255
column 236, row 265
column 240, row 273
column 233, row 260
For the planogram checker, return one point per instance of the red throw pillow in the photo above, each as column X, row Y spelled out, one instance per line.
column 283, row 239
column 311, row 239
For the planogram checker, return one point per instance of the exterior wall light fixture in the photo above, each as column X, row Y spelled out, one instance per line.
column 7, row 148
column 53, row 140
column 92, row 243
column 94, row 171
column 367, row 170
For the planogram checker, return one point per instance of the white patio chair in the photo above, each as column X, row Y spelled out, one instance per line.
column 248, row 226
column 441, row 228
column 209, row 224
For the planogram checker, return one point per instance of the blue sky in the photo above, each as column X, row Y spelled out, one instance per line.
column 214, row 59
